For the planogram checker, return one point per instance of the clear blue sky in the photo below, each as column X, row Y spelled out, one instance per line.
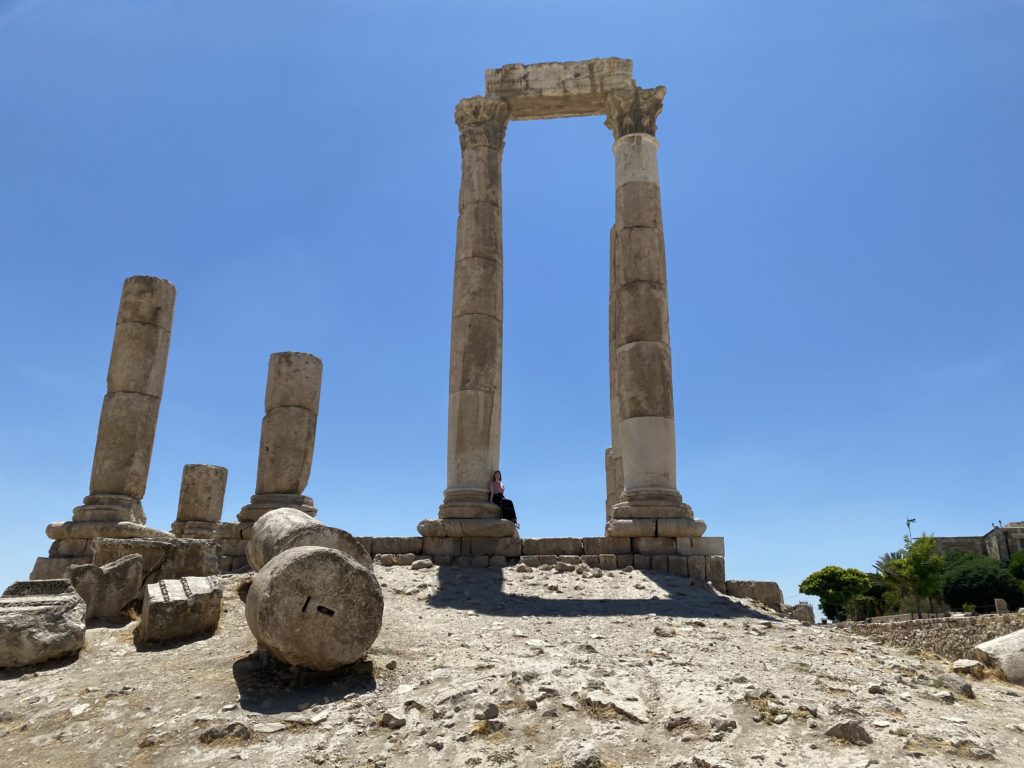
column 843, row 187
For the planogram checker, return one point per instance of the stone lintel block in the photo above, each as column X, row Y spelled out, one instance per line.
column 630, row 528
column 640, row 313
column 162, row 558
column 638, row 204
column 607, row 562
column 703, row 545
column 714, row 570
column 147, row 299
column 642, row 562
column 697, row 564
column 397, row 545
column 644, row 379
column 55, row 567
column 124, row 444
column 174, row 609
column 293, row 381
column 478, row 232
column 677, row 565
column 435, row 545
column 201, row 498
column 765, row 592
column 138, row 359
column 475, row 353
column 40, row 624
column 554, row 546
column 478, row 288
column 681, row 527
column 481, row 176
column 506, row 546
column 107, row 530
column 650, row 545
column 606, row 545
column 638, row 256
column 659, row 563
column 108, row 589
column 591, row 560
column 560, row 88
column 286, row 450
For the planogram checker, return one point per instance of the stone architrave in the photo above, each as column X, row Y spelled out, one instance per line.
column 40, row 621
column 174, row 609
column 289, row 430
column 474, row 385
column 200, row 501
column 643, row 417
column 315, row 607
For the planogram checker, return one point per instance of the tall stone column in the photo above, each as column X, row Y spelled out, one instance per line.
column 286, row 440
column 135, row 384
column 474, row 385
column 641, row 370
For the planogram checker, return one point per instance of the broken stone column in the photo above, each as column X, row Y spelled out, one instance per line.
column 315, row 607
column 200, row 501
column 174, row 609
column 107, row 589
column 40, row 621
column 127, row 428
column 286, row 440
column 474, row 384
column 283, row 529
column 643, row 419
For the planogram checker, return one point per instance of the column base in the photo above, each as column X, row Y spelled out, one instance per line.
column 468, row 504
column 262, row 503
column 457, row 528
column 109, row 507
column 654, row 512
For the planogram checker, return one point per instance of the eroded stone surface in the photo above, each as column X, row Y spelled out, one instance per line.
column 40, row 621
column 162, row 558
column 174, row 609
column 1004, row 653
column 108, row 589
column 283, row 529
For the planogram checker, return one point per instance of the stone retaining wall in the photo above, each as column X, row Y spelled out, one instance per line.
column 950, row 638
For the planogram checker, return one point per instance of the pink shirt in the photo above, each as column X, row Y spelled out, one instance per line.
column 497, row 487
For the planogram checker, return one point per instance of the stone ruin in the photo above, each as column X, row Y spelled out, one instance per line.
column 115, row 560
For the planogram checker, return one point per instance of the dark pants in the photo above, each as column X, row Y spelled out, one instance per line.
column 508, row 509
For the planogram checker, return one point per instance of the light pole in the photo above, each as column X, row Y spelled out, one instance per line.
column 910, row 520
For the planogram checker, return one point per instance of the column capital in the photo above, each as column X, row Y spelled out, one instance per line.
column 482, row 122
column 633, row 111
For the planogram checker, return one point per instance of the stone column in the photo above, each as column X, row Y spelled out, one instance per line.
column 474, row 385
column 200, row 501
column 641, row 371
column 135, row 383
column 286, row 440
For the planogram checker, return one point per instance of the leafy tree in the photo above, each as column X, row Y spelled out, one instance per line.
column 1016, row 565
column 978, row 580
column 879, row 600
column 835, row 587
column 921, row 568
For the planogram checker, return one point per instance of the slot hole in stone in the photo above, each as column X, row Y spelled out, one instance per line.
column 306, row 604
column 324, row 610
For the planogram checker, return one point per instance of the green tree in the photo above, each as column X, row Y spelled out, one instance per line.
column 1016, row 565
column 922, row 569
column 978, row 580
column 835, row 587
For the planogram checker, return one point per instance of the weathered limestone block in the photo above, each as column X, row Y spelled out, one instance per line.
column 644, row 370
column 714, row 570
column 764, row 592
column 71, row 548
column 173, row 609
column 506, row 546
column 641, row 253
column 286, row 450
column 680, row 527
column 201, row 498
column 697, row 565
column 802, row 612
column 315, row 607
column 104, row 530
column 677, row 565
column 397, row 545
column 193, row 529
column 631, row 528
column 467, row 527
column 642, row 562
column 623, row 561
column 293, row 380
column 643, row 545
column 436, row 546
column 531, row 560
column 40, row 621
column 48, row 568
column 704, row 545
column 262, row 503
column 283, row 529
column 552, row 546
column 134, row 342
column 1005, row 654
column 162, row 559
column 107, row 589
column 1001, row 606
column 559, row 89
column 606, row 545
column 124, row 445
column 640, row 313
column 607, row 562
column 659, row 563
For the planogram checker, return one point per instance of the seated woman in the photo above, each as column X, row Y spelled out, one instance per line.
column 508, row 509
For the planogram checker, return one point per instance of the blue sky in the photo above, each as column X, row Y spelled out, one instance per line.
column 842, row 190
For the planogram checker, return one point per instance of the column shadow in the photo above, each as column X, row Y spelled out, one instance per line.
column 481, row 590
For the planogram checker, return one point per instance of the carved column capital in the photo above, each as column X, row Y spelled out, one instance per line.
column 634, row 111
column 482, row 122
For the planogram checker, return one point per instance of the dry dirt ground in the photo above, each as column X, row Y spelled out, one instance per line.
column 583, row 671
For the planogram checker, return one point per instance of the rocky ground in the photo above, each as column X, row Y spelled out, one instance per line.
column 518, row 667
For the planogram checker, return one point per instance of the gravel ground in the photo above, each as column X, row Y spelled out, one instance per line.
column 518, row 667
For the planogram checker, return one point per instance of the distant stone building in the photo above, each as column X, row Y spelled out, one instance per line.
column 999, row 543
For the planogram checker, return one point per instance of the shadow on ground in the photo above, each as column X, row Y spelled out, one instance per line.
column 480, row 590
column 268, row 687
